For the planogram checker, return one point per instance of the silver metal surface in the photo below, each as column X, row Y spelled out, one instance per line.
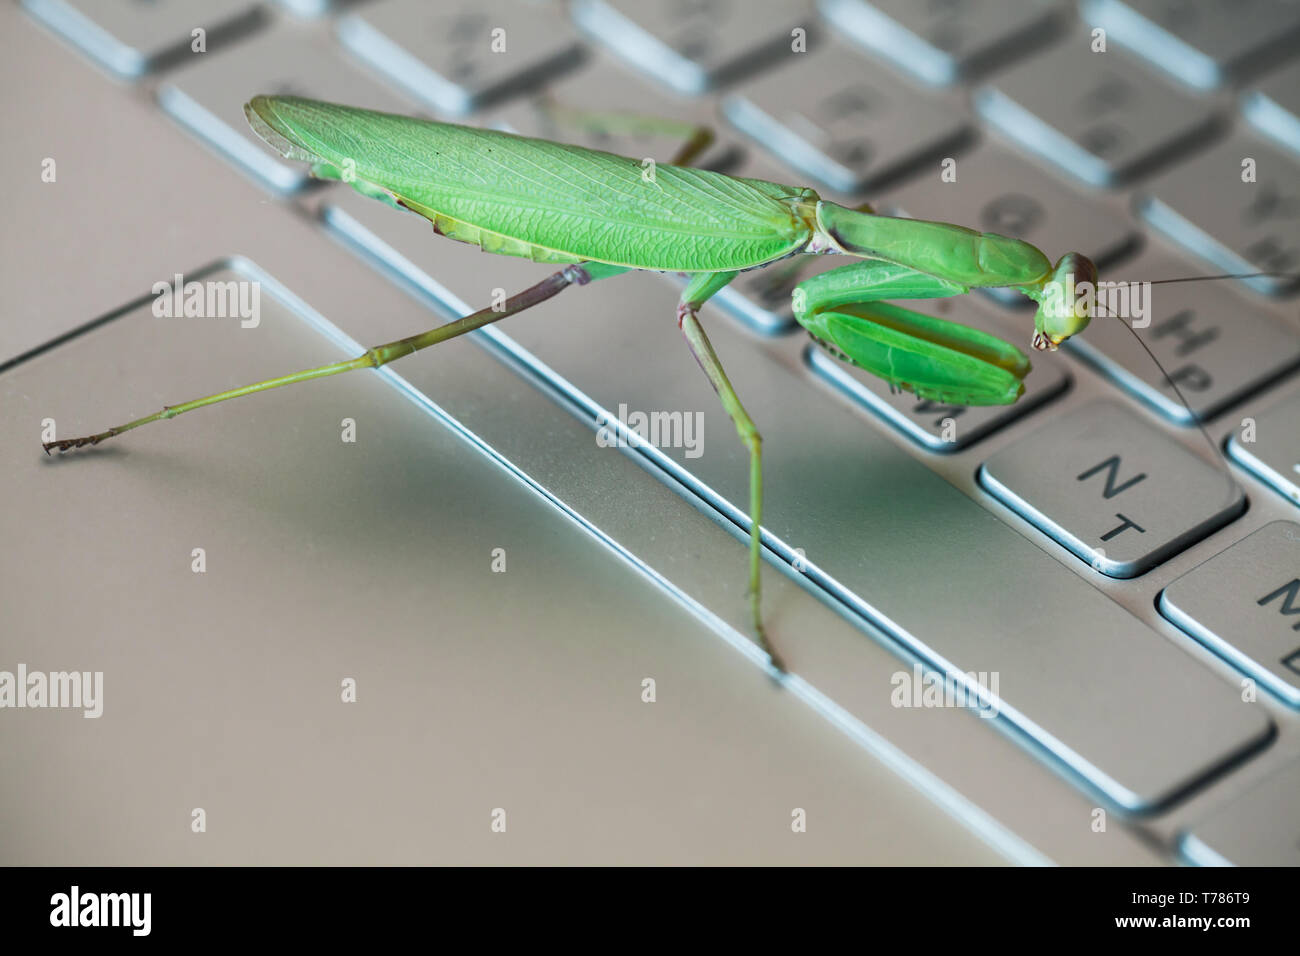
column 372, row 562
column 1245, row 604
column 1260, row 828
column 1117, row 493
column 1112, row 121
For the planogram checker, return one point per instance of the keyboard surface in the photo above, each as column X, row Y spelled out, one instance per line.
column 1067, row 543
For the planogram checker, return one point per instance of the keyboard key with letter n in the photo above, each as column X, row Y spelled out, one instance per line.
column 1119, row 494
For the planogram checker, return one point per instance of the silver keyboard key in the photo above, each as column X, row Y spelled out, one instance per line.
column 1268, row 445
column 997, row 191
column 1273, row 107
column 943, row 42
column 209, row 99
column 1099, row 691
column 462, row 56
column 938, row 426
column 1109, row 123
column 1204, row 43
column 844, row 122
column 1244, row 604
column 134, row 37
column 1239, row 226
column 311, row 8
column 1259, row 828
column 1119, row 494
column 696, row 45
column 1216, row 347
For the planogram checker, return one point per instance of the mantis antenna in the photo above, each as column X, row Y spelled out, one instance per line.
column 1196, row 419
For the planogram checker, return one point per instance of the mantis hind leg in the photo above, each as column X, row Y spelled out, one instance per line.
column 697, row 293
column 932, row 357
column 375, row 357
column 557, row 119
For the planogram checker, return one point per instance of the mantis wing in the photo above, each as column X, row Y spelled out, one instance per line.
column 525, row 196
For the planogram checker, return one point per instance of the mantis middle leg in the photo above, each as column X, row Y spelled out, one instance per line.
column 697, row 292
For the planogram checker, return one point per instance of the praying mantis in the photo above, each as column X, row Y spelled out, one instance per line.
column 598, row 215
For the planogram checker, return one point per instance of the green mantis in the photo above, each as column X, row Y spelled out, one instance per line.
column 597, row 215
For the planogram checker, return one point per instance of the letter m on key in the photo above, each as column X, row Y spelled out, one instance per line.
column 1290, row 595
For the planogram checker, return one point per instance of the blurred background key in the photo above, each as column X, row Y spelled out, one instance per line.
column 1237, row 207
column 1204, row 43
column 208, row 99
column 134, row 37
column 943, row 41
column 1110, row 123
column 311, row 8
column 589, row 107
column 461, row 56
column 696, row 45
column 1273, row 107
column 845, row 122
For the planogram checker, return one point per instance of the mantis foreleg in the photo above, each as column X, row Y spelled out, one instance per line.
column 932, row 357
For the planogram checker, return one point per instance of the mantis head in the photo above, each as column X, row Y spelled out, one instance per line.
column 1066, row 300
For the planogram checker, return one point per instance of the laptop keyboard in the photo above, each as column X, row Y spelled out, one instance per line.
column 1113, row 155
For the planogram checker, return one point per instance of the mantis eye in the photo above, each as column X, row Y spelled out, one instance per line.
column 1065, row 301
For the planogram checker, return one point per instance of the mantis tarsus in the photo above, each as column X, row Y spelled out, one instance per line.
column 598, row 215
